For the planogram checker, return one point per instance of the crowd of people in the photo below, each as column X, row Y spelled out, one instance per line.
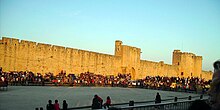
column 83, row 79
column 56, row 105
column 175, row 83
column 91, row 79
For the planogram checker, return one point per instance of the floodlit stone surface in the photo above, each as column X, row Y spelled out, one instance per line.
column 30, row 97
column 22, row 55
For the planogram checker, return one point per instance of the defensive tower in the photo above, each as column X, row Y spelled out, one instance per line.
column 118, row 48
column 22, row 55
column 188, row 64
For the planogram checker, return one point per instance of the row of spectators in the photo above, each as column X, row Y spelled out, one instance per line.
column 83, row 79
column 91, row 79
column 176, row 83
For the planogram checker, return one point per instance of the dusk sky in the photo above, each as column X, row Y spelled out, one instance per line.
column 156, row 26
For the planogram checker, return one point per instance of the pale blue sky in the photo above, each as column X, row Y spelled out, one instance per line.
column 156, row 26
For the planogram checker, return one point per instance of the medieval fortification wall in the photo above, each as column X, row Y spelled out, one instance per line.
column 21, row 55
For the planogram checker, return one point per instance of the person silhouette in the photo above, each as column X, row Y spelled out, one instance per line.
column 214, row 91
column 100, row 101
column 95, row 102
column 108, row 102
column 50, row 105
column 65, row 105
column 56, row 105
column 158, row 98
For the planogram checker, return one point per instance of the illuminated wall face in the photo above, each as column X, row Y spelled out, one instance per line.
column 24, row 55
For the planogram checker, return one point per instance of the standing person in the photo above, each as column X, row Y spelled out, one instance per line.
column 158, row 98
column 56, row 105
column 50, row 105
column 65, row 105
column 95, row 102
column 214, row 91
column 107, row 103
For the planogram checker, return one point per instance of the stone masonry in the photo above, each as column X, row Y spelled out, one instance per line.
column 21, row 55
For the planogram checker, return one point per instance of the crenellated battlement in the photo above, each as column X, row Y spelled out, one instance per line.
column 24, row 42
column 15, row 41
column 26, row 55
column 176, row 51
column 199, row 57
column 6, row 39
column 32, row 43
column 188, row 54
column 183, row 53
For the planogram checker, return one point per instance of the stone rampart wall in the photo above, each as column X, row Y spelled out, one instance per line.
column 43, row 58
column 207, row 75
column 22, row 55
column 149, row 68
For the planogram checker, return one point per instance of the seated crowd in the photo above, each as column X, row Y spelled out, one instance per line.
column 91, row 79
